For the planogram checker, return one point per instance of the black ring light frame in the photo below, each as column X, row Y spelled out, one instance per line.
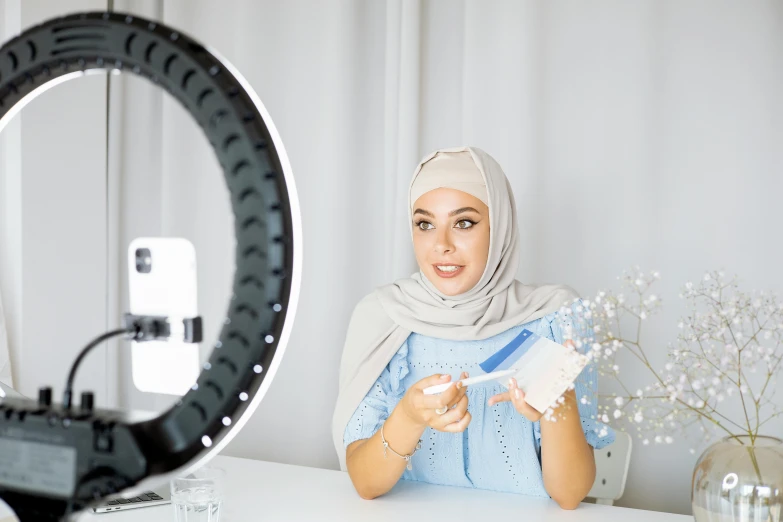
column 103, row 450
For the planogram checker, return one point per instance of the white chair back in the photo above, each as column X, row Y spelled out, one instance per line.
column 611, row 466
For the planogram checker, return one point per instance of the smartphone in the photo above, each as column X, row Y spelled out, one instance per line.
column 162, row 282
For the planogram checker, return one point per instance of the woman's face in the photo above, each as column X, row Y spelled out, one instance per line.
column 451, row 239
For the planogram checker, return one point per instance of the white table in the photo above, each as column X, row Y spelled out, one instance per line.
column 259, row 491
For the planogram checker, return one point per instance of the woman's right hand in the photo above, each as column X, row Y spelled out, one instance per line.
column 421, row 409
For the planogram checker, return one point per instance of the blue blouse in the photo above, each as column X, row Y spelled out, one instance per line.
column 500, row 450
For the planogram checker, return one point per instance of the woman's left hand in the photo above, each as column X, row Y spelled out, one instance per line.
column 517, row 398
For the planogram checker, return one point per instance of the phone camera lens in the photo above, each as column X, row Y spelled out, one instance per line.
column 143, row 260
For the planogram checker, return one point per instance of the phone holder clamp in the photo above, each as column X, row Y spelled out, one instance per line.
column 145, row 328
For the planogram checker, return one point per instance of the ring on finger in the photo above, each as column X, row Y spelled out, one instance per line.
column 441, row 411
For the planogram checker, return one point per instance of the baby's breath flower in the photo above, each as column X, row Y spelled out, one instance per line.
column 729, row 341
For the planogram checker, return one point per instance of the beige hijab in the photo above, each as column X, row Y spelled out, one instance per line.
column 383, row 320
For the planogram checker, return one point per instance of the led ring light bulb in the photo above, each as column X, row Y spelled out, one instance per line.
column 95, row 454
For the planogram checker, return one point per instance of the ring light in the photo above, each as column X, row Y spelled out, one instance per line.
column 71, row 458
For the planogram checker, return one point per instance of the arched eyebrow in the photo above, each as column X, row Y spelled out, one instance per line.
column 451, row 214
column 462, row 211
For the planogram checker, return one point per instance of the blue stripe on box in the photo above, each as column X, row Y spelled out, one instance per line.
column 510, row 354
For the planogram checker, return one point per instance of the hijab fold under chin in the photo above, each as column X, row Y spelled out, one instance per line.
column 383, row 320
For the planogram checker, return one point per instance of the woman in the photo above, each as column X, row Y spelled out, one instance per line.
column 463, row 306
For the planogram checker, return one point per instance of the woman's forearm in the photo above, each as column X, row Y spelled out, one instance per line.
column 567, row 459
column 374, row 474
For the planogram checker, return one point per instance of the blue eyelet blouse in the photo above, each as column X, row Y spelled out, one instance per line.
column 500, row 450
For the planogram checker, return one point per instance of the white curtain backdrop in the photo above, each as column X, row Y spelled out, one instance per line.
column 633, row 132
column 5, row 358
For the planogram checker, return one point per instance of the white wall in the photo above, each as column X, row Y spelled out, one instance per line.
column 54, row 232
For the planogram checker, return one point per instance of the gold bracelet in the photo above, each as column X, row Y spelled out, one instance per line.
column 407, row 458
